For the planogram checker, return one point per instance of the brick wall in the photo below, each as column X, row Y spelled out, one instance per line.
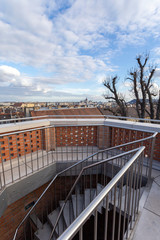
column 15, row 213
column 122, row 135
column 50, row 138
column 73, row 136
column 20, row 144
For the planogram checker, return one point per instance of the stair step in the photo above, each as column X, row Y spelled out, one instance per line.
column 44, row 232
column 131, row 197
column 78, row 206
column 88, row 196
column 36, row 221
column 97, row 191
column 52, row 217
column 67, row 212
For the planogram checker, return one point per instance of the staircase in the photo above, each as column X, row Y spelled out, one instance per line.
column 77, row 203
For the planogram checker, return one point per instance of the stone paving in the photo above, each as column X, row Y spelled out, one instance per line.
column 148, row 226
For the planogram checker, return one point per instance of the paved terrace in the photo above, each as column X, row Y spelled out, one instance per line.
column 148, row 225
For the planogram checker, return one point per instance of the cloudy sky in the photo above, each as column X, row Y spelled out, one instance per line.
column 61, row 50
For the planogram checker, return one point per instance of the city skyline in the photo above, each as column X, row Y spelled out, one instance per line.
column 63, row 50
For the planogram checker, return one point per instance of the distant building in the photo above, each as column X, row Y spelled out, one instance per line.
column 70, row 111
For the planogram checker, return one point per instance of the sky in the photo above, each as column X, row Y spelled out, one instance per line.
column 62, row 50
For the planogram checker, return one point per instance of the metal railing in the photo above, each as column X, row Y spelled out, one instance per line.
column 69, row 176
column 124, row 208
column 24, row 152
column 91, row 172
column 17, row 120
column 145, row 120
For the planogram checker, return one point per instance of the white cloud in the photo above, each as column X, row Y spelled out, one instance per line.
column 71, row 39
column 9, row 70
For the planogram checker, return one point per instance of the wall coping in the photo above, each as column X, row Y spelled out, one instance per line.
column 20, row 126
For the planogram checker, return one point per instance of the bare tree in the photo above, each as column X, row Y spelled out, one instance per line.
column 158, row 108
column 118, row 98
column 141, row 79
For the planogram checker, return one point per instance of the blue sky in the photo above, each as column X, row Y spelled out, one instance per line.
column 61, row 50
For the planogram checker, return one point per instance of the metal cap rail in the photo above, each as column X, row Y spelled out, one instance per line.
column 84, row 216
column 13, row 120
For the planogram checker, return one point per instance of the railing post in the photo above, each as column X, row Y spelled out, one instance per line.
column 151, row 160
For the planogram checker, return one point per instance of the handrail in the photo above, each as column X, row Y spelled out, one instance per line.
column 133, row 118
column 76, row 164
column 79, row 176
column 81, row 219
column 60, row 125
column 62, row 116
column 47, row 116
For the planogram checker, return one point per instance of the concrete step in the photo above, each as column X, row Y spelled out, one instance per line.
column 97, row 191
column 130, row 199
column 44, row 232
column 88, row 196
column 67, row 212
column 78, row 204
column 36, row 221
column 52, row 217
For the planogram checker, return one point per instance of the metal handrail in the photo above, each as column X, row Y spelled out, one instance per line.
column 79, row 176
column 62, row 116
column 45, row 117
column 76, row 164
column 137, row 119
column 82, row 218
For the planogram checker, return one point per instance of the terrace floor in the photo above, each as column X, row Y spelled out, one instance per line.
column 148, row 225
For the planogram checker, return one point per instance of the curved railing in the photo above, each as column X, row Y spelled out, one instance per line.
column 16, row 120
column 130, row 203
column 102, row 163
column 100, row 155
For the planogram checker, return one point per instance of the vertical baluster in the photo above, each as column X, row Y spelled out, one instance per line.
column 3, row 170
column 57, row 136
column 125, row 203
column 120, row 207
column 36, row 132
column 151, row 159
column 106, row 217
column 114, row 212
column 95, row 224
column 66, row 142
column 133, row 196
column 141, row 158
column 11, row 167
column 61, row 143
column 137, row 184
column 52, row 142
column 18, row 163
column 42, row 145
column 25, row 154
column 72, row 144
column 130, row 195
column 81, row 233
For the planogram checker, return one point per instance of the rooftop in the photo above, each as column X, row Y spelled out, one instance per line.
column 33, row 152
